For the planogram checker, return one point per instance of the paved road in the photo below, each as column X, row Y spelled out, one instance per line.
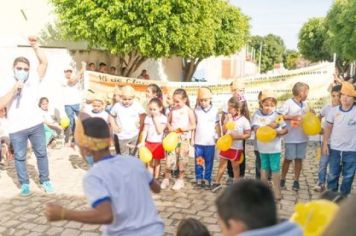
column 24, row 216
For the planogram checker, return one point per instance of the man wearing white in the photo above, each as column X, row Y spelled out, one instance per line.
column 18, row 94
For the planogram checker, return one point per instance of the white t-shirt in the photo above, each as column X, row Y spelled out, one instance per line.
column 71, row 94
column 152, row 135
column 206, row 121
column 293, row 108
column 47, row 117
column 4, row 127
column 128, row 118
column 103, row 115
column 241, row 126
column 324, row 114
column 258, row 120
column 126, row 182
column 23, row 111
column 343, row 134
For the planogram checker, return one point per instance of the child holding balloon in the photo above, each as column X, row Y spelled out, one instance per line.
column 269, row 143
column 296, row 140
column 204, row 138
column 240, row 131
column 182, row 121
column 152, row 134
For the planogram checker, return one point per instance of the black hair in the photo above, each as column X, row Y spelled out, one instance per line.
column 241, row 106
column 250, row 202
column 102, row 64
column 158, row 102
column 183, row 94
column 332, row 196
column 336, row 88
column 192, row 227
column 156, row 90
column 41, row 100
column 96, row 127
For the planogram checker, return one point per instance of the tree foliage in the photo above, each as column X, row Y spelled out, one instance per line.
column 271, row 52
column 137, row 30
column 290, row 59
column 313, row 40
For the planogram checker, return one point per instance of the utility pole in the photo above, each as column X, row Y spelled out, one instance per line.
column 259, row 61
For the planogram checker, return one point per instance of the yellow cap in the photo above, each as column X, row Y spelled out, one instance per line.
column 348, row 89
column 267, row 94
column 238, row 84
column 128, row 91
column 204, row 93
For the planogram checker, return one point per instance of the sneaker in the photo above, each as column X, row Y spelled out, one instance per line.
column 216, row 187
column 25, row 190
column 207, row 186
column 165, row 183
column 283, row 184
column 178, row 184
column 48, row 187
column 202, row 184
column 319, row 188
column 296, row 186
column 229, row 181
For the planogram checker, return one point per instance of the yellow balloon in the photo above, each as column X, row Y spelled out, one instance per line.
column 230, row 125
column 241, row 158
column 266, row 134
column 311, row 124
column 64, row 122
column 314, row 216
column 145, row 154
column 224, row 142
column 170, row 142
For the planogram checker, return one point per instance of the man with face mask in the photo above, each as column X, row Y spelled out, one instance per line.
column 18, row 94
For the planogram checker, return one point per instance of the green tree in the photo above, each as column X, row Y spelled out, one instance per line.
column 272, row 48
column 313, row 40
column 290, row 58
column 137, row 30
column 341, row 22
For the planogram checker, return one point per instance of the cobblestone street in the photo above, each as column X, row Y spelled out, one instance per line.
column 24, row 215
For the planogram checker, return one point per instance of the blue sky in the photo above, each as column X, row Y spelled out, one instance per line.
column 281, row 17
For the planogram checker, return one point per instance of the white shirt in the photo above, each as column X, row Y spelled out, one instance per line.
column 343, row 134
column 22, row 111
column 103, row 115
column 292, row 108
column 206, row 121
column 47, row 117
column 258, row 120
column 324, row 114
column 126, row 182
column 152, row 135
column 72, row 95
column 4, row 127
column 241, row 126
column 128, row 118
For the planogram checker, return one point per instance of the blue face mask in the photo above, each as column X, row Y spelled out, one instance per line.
column 90, row 160
column 21, row 75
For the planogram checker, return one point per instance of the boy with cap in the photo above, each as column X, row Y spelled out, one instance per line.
column 126, row 120
column 341, row 129
column 270, row 153
column 118, row 189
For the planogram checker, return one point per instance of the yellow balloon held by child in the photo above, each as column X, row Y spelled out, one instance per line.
column 313, row 217
column 64, row 122
column 224, row 143
column 170, row 142
column 230, row 125
column 311, row 124
column 266, row 134
column 145, row 154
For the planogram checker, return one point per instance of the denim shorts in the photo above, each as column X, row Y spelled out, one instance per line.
column 295, row 151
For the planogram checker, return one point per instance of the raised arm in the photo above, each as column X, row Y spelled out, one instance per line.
column 42, row 59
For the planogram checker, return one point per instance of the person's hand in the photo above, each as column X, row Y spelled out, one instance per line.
column 32, row 40
column 18, row 86
column 325, row 149
column 54, row 212
column 273, row 125
column 84, row 64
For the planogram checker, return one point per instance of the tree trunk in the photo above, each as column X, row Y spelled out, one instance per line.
column 130, row 63
column 189, row 68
